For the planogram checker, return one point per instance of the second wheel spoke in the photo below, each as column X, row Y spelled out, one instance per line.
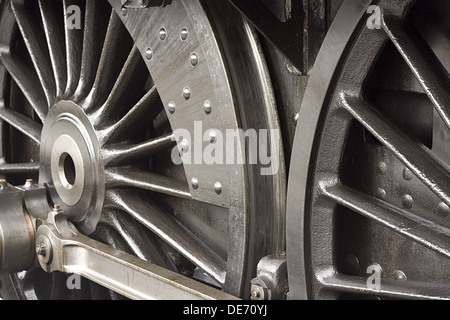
column 27, row 126
column 125, row 177
column 387, row 288
column 428, row 233
column 434, row 173
column 428, row 70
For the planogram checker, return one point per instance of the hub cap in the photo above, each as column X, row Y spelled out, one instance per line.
column 72, row 164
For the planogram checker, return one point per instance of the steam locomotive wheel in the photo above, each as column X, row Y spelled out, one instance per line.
column 94, row 94
column 369, row 193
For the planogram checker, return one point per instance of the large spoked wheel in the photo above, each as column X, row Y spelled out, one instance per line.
column 369, row 186
column 97, row 99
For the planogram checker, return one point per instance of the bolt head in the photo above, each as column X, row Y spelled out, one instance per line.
column 257, row 292
column 44, row 249
column 40, row 249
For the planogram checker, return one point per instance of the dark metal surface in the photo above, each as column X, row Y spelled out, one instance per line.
column 372, row 190
column 298, row 35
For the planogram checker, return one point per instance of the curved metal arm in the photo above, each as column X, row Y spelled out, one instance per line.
column 63, row 248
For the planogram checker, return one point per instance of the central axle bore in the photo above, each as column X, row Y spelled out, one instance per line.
column 71, row 164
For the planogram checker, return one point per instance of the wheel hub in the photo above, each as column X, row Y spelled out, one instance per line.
column 72, row 166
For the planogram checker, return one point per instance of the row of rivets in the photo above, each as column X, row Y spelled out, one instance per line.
column 186, row 93
column 171, row 106
column 407, row 200
column 353, row 266
column 217, row 185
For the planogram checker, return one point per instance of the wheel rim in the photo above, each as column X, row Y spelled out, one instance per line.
column 369, row 188
column 105, row 166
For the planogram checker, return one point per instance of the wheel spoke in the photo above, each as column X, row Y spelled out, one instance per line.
column 148, row 107
column 126, row 177
column 11, row 168
column 27, row 81
column 27, row 126
column 120, row 154
column 420, row 230
column 388, row 287
column 122, row 87
column 94, row 34
column 425, row 66
column 74, row 45
column 165, row 226
column 108, row 67
column 432, row 171
column 39, row 56
column 143, row 245
column 55, row 43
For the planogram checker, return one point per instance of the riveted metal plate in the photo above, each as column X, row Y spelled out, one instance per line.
column 189, row 81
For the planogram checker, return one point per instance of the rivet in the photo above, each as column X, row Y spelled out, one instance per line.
column 443, row 209
column 184, row 34
column 218, row 187
column 124, row 11
column 381, row 193
column 212, row 136
column 149, row 53
column 399, row 275
column 162, row 34
column 407, row 201
column 193, row 59
column 171, row 106
column 184, row 145
column 381, row 168
column 194, row 183
column 407, row 174
column 186, row 93
column 207, row 107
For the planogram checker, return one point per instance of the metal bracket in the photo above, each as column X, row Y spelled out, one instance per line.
column 271, row 278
